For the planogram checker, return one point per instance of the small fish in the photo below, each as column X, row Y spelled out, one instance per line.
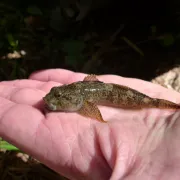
column 84, row 96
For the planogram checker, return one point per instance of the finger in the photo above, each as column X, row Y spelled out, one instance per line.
column 134, row 83
column 23, row 83
column 29, row 83
column 66, row 76
column 58, row 75
column 5, row 105
column 26, row 96
column 29, row 92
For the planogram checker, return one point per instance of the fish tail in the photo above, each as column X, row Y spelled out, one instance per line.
column 164, row 104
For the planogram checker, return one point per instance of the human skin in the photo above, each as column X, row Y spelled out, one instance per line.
column 133, row 145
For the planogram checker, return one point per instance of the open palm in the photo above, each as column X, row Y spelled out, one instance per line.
column 132, row 145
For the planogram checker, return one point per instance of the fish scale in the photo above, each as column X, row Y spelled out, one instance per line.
column 84, row 96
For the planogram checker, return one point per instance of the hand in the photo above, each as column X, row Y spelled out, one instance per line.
column 142, row 144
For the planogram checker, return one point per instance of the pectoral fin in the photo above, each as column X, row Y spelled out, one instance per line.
column 91, row 77
column 91, row 110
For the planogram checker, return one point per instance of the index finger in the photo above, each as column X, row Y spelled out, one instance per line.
column 58, row 75
column 65, row 77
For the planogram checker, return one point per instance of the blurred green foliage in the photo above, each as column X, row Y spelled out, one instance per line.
column 74, row 52
column 34, row 10
column 6, row 146
column 55, row 26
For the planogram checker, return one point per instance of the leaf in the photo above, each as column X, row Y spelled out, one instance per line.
column 7, row 146
column 34, row 10
column 74, row 60
column 167, row 40
column 73, row 47
column 11, row 40
column 131, row 44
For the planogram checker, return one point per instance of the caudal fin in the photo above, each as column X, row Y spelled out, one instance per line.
column 165, row 104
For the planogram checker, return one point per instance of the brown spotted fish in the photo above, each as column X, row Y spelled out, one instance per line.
column 84, row 96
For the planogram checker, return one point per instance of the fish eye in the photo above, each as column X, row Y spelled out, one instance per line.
column 58, row 95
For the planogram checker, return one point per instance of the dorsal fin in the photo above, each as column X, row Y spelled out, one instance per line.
column 91, row 77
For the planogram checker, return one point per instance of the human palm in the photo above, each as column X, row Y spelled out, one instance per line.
column 134, row 144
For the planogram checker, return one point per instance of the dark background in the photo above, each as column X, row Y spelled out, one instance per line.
column 146, row 46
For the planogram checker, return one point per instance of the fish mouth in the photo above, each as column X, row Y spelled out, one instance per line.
column 49, row 105
column 44, row 99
